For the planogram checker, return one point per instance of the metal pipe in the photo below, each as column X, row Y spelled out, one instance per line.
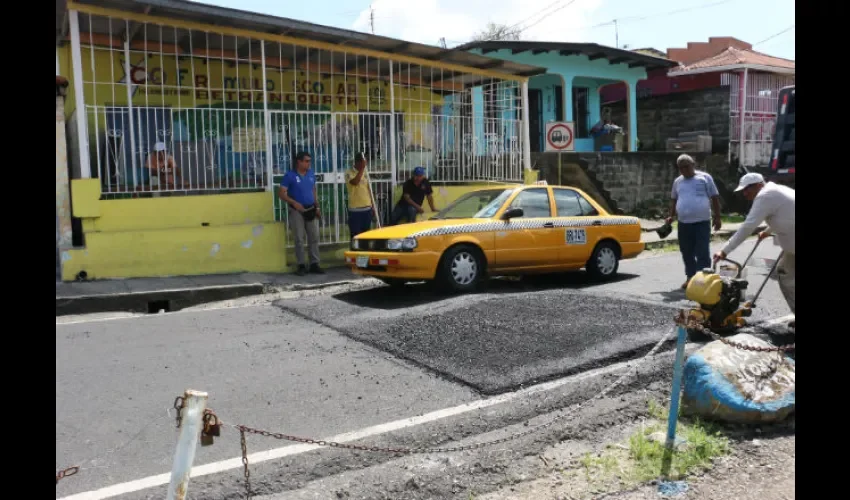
column 191, row 424
column 267, row 121
column 79, row 97
column 393, row 152
column 127, row 71
column 673, row 417
column 526, row 135
column 743, row 116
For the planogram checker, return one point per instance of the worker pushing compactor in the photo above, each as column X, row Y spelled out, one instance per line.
column 774, row 204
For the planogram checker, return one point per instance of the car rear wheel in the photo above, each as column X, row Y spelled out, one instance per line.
column 461, row 268
column 604, row 262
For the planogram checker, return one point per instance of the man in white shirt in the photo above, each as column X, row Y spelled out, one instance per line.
column 774, row 204
column 693, row 197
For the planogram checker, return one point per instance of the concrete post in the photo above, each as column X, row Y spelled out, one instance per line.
column 191, row 425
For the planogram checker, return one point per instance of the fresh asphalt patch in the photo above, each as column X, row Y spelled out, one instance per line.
column 494, row 342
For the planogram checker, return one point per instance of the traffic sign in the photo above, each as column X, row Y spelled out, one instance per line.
column 559, row 137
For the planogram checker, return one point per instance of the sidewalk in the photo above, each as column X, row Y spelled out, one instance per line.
column 653, row 241
column 149, row 295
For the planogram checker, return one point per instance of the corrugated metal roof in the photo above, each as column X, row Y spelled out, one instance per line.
column 592, row 50
column 738, row 57
column 195, row 12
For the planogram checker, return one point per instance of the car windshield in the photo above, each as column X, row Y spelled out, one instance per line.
column 481, row 204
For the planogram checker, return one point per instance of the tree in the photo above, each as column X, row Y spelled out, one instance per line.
column 495, row 31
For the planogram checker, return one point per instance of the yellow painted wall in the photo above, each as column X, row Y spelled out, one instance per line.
column 167, row 236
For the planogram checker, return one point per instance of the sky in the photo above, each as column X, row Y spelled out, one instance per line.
column 659, row 24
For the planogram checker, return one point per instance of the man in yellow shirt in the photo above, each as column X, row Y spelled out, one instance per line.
column 359, row 197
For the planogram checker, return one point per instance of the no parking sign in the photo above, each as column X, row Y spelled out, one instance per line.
column 559, row 137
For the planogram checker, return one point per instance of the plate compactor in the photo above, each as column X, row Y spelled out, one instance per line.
column 722, row 299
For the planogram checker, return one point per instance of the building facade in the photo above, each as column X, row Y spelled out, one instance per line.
column 571, row 89
column 233, row 101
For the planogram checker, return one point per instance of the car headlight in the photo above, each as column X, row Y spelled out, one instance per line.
column 401, row 244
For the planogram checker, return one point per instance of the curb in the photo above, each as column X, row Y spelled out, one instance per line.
column 149, row 302
column 718, row 236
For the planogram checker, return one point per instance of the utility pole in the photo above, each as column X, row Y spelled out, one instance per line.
column 616, row 35
column 443, row 42
column 372, row 18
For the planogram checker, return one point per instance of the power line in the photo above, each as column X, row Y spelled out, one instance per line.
column 662, row 14
column 547, row 15
column 771, row 37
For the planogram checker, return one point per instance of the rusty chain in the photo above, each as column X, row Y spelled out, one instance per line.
column 247, row 472
column 178, row 406
column 70, row 471
column 692, row 323
column 243, row 429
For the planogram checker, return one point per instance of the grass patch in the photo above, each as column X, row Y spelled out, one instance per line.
column 641, row 458
column 732, row 219
column 703, row 443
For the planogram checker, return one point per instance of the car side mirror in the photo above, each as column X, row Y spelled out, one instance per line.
column 511, row 213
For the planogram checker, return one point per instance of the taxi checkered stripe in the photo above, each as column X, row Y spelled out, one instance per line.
column 519, row 224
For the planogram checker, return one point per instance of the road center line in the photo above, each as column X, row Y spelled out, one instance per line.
column 286, row 451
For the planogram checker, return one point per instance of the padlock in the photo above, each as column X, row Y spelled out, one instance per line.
column 206, row 440
column 212, row 426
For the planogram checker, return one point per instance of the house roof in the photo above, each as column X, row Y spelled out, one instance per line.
column 591, row 50
column 214, row 16
column 733, row 58
column 651, row 52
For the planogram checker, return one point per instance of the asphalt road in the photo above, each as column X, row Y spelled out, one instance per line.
column 330, row 364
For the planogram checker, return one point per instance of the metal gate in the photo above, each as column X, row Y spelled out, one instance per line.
column 332, row 139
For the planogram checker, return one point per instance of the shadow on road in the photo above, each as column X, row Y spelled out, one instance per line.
column 416, row 294
column 671, row 296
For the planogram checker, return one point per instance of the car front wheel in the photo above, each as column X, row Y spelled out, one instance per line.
column 604, row 262
column 461, row 268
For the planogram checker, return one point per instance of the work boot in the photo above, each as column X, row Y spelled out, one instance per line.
column 302, row 270
column 315, row 269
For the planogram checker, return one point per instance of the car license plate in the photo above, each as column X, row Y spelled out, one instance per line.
column 362, row 261
column 575, row 237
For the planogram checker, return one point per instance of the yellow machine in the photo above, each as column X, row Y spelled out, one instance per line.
column 722, row 299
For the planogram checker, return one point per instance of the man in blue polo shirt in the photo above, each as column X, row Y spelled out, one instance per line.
column 298, row 191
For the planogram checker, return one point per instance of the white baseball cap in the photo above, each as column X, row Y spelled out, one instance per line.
column 159, row 146
column 748, row 180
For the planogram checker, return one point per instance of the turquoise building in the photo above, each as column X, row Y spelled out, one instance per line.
column 570, row 88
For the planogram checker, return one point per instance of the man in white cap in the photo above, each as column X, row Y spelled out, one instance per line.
column 161, row 166
column 772, row 203
column 693, row 199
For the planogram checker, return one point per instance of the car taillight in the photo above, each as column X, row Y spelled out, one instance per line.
column 774, row 163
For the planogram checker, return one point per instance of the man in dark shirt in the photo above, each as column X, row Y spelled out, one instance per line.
column 414, row 192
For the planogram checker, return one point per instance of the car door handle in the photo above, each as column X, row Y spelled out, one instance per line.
column 597, row 223
column 549, row 224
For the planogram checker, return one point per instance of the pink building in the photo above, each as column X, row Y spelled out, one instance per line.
column 753, row 78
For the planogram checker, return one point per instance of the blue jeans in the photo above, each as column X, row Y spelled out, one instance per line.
column 694, row 240
column 402, row 211
column 359, row 221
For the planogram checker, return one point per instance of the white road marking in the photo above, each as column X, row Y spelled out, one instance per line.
column 285, row 451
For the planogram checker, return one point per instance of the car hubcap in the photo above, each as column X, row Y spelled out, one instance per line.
column 606, row 261
column 464, row 268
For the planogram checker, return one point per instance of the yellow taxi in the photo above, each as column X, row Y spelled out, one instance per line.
column 504, row 230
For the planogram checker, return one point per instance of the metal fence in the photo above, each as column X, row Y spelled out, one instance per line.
column 181, row 111
column 758, row 105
